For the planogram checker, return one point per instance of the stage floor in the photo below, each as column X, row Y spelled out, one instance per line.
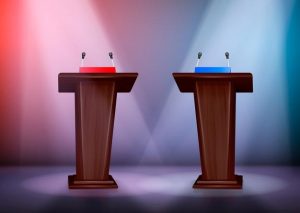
column 148, row 189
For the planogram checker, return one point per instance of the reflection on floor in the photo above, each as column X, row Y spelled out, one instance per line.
column 148, row 189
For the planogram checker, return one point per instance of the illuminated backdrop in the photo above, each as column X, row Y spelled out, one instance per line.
column 155, row 123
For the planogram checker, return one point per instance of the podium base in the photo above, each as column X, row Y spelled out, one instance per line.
column 237, row 183
column 91, row 184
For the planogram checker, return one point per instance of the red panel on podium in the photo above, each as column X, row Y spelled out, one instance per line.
column 97, row 70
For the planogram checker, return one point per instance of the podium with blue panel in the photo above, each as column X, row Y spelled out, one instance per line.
column 214, row 90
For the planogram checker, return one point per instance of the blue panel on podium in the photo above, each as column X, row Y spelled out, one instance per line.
column 212, row 69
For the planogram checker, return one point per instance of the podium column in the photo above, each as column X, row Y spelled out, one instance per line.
column 94, row 113
column 215, row 113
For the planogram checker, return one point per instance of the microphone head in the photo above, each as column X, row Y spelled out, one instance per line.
column 110, row 55
column 199, row 55
column 83, row 55
column 227, row 55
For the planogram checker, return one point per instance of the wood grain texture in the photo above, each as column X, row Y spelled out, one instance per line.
column 187, row 81
column 215, row 107
column 215, row 128
column 67, row 82
column 95, row 110
column 95, row 103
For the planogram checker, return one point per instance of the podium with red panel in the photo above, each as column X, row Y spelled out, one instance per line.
column 215, row 106
column 95, row 102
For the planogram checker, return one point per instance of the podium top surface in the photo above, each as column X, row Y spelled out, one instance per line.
column 67, row 82
column 186, row 81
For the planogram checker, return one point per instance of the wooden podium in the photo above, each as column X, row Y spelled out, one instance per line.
column 95, row 103
column 215, row 102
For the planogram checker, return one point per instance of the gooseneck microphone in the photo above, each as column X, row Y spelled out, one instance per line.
column 227, row 58
column 111, row 58
column 198, row 60
column 82, row 58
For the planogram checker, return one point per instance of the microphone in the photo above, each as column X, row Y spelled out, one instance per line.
column 227, row 58
column 82, row 58
column 199, row 56
column 111, row 58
